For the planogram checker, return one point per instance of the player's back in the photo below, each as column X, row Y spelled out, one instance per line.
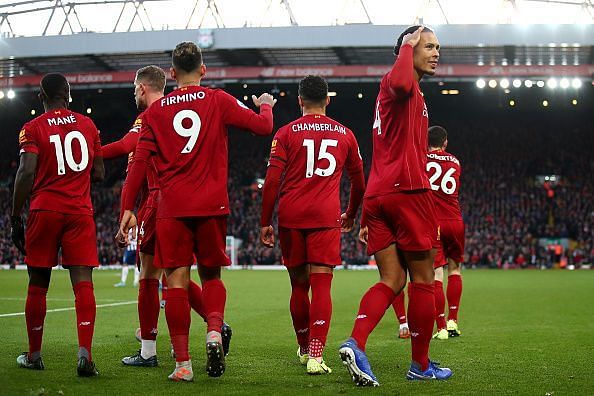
column 444, row 172
column 66, row 144
column 190, row 130
column 316, row 149
column 399, row 142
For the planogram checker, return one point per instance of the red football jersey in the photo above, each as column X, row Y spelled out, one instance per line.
column 444, row 172
column 399, row 132
column 66, row 144
column 187, row 131
column 313, row 150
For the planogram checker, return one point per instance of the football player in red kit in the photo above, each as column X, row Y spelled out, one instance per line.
column 185, row 134
column 60, row 156
column 398, row 210
column 444, row 176
column 309, row 155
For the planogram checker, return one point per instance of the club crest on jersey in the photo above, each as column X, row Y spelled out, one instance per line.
column 22, row 136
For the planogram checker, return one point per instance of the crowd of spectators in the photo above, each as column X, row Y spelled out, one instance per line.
column 507, row 211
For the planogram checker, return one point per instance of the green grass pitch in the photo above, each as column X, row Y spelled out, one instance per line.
column 523, row 332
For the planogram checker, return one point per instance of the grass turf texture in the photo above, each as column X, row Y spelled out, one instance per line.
column 523, row 332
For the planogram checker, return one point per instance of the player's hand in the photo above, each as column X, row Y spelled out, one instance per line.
column 265, row 98
column 267, row 236
column 346, row 223
column 363, row 234
column 413, row 38
column 17, row 233
column 128, row 221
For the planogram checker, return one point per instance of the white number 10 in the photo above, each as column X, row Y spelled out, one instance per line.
column 67, row 152
column 192, row 132
column 310, row 145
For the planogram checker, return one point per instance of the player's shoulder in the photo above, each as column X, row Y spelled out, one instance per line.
column 452, row 157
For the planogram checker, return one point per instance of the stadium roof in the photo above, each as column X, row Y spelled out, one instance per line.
column 57, row 17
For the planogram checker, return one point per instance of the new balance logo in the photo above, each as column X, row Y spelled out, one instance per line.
column 454, row 307
column 38, row 328
column 413, row 334
column 84, row 323
column 154, row 330
column 319, row 323
column 302, row 331
column 442, row 315
column 361, row 316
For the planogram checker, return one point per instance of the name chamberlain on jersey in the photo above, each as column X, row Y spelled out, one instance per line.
column 318, row 127
column 449, row 158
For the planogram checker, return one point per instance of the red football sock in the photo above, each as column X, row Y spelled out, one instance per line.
column 454, row 292
column 320, row 312
column 163, row 287
column 299, row 307
column 399, row 307
column 148, row 308
column 195, row 297
column 177, row 312
column 214, row 296
column 421, row 315
column 84, row 304
column 439, row 305
column 371, row 310
column 35, row 309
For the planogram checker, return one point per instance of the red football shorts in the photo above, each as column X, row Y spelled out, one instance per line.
column 310, row 246
column 49, row 231
column 451, row 245
column 147, row 217
column 406, row 219
column 179, row 239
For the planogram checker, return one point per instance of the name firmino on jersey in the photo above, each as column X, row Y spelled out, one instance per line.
column 318, row 127
column 187, row 97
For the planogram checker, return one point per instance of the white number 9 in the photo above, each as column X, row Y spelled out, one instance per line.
column 192, row 132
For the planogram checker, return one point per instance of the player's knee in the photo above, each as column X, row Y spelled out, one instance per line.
column 438, row 274
column 40, row 277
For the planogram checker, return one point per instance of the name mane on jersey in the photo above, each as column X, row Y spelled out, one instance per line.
column 182, row 98
column 449, row 158
column 318, row 127
column 70, row 119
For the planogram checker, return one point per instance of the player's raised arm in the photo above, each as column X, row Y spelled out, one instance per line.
column 237, row 114
column 122, row 147
column 401, row 76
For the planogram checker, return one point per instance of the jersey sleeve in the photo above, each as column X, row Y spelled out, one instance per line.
column 237, row 114
column 401, row 76
column 28, row 139
column 124, row 146
column 278, row 150
column 354, row 166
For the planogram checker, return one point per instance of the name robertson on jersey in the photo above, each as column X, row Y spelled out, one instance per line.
column 187, row 97
column 443, row 158
column 318, row 127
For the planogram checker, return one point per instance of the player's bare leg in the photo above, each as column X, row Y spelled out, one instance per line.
column 454, row 293
column 148, row 313
column 35, row 310
column 214, row 296
column 441, row 333
column 299, row 306
column 400, row 310
column 177, row 312
column 81, row 279
column 371, row 310
column 320, row 314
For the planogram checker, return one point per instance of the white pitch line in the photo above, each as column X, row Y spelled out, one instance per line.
column 51, row 299
column 72, row 308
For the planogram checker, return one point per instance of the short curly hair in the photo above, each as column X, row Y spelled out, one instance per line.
column 186, row 57
column 313, row 89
